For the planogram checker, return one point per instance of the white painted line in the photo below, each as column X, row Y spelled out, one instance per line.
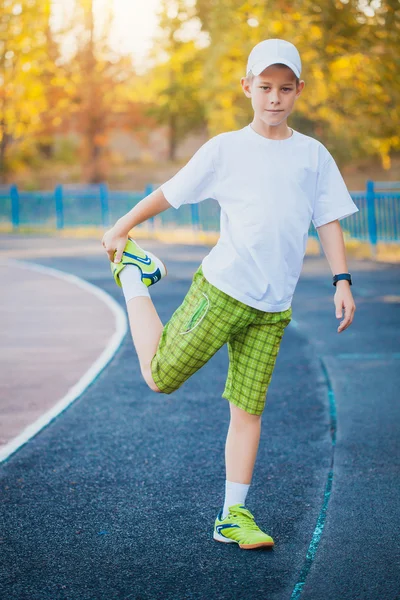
column 121, row 327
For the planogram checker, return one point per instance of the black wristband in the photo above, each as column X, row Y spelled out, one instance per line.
column 346, row 276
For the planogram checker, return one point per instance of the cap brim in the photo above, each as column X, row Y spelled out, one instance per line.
column 259, row 67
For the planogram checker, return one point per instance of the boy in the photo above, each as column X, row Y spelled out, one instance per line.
column 269, row 181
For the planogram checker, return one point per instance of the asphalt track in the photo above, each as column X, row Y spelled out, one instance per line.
column 116, row 498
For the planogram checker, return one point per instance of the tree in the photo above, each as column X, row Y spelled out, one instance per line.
column 350, row 55
column 98, row 78
column 178, row 79
column 22, row 56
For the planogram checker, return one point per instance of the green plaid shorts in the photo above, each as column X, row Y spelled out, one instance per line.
column 206, row 320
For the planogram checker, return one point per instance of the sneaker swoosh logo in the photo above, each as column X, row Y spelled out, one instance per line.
column 145, row 261
column 220, row 528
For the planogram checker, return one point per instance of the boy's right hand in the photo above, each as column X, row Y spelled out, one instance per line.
column 114, row 243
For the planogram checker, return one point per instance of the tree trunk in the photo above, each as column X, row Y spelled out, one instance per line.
column 5, row 138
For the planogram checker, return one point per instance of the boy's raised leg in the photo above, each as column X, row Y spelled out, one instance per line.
column 135, row 272
column 146, row 329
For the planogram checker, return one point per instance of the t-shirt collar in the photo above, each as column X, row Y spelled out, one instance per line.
column 266, row 140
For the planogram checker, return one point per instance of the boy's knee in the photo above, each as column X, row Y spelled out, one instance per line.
column 148, row 377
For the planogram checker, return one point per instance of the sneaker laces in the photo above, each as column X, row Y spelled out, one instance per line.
column 244, row 517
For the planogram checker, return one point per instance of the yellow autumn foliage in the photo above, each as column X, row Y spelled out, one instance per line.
column 350, row 101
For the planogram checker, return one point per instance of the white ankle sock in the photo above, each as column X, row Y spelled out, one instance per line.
column 132, row 284
column 234, row 493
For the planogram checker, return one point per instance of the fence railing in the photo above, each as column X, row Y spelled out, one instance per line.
column 68, row 206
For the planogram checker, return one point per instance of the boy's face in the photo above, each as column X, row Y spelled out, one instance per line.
column 274, row 89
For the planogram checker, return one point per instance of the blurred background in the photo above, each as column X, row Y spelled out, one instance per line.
column 121, row 93
column 95, row 90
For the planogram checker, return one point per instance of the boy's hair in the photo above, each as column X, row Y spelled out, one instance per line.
column 249, row 77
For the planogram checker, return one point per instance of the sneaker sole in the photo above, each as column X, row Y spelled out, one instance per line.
column 157, row 260
column 219, row 538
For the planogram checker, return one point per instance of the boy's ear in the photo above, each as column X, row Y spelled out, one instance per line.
column 300, row 87
column 246, row 86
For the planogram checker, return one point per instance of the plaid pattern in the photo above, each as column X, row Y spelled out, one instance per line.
column 206, row 320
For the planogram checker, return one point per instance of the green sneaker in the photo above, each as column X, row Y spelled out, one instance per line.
column 151, row 267
column 239, row 526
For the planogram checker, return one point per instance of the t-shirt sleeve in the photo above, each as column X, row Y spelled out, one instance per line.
column 332, row 200
column 196, row 180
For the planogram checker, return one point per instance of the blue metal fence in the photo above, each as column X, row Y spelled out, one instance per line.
column 378, row 218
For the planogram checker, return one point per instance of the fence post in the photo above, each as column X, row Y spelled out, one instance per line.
column 195, row 216
column 371, row 213
column 14, row 195
column 58, row 196
column 105, row 213
column 148, row 189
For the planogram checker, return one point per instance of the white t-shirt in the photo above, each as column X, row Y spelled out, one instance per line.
column 268, row 191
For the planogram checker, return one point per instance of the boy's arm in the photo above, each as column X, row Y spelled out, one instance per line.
column 332, row 242
column 151, row 205
column 114, row 240
column 193, row 183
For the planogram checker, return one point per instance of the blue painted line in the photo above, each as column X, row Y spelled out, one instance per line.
column 312, row 549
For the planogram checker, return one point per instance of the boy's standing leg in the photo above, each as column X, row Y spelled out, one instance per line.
column 252, row 355
column 241, row 449
column 235, row 523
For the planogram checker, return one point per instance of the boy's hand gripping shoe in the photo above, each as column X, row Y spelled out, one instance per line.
column 239, row 526
column 151, row 267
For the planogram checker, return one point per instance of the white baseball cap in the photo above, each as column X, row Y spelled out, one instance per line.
column 270, row 52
